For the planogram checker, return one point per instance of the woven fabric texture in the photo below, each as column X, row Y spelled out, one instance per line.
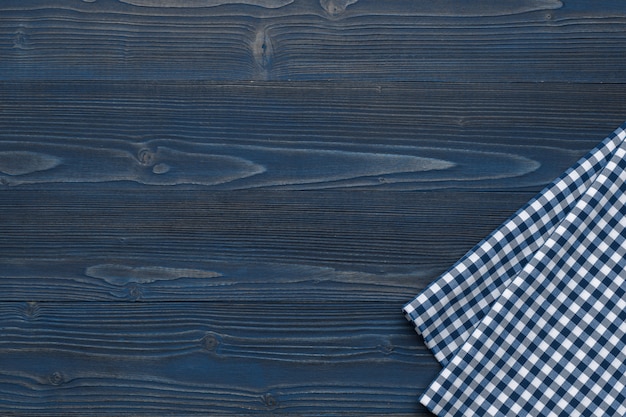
column 531, row 321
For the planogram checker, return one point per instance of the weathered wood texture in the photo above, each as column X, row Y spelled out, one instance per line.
column 295, row 136
column 219, row 207
column 452, row 40
column 239, row 358
column 246, row 246
column 86, row 220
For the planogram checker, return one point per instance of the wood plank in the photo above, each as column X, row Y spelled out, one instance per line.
column 452, row 40
column 300, row 136
column 227, row 213
column 198, row 358
column 248, row 245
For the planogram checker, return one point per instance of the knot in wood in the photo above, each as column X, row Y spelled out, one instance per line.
column 270, row 401
column 56, row 378
column 336, row 7
column 146, row 157
column 210, row 342
column 386, row 348
column 135, row 292
column 20, row 40
column 31, row 311
column 263, row 50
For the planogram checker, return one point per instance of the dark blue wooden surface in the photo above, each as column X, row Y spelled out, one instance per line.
column 220, row 207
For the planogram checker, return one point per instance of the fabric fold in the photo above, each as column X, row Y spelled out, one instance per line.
column 553, row 343
column 450, row 308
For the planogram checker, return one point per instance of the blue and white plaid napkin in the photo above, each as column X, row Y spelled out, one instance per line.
column 531, row 321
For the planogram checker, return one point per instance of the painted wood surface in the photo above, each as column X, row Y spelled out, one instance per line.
column 451, row 40
column 246, row 246
column 239, row 358
column 301, row 136
column 220, row 206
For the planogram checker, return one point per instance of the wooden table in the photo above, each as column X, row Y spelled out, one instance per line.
column 219, row 207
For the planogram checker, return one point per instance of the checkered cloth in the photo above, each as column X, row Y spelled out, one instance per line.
column 531, row 321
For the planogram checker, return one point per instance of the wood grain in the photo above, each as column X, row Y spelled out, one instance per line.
column 452, row 40
column 300, row 136
column 220, row 206
column 249, row 245
column 194, row 358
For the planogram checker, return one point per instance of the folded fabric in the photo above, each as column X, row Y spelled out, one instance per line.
column 531, row 321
